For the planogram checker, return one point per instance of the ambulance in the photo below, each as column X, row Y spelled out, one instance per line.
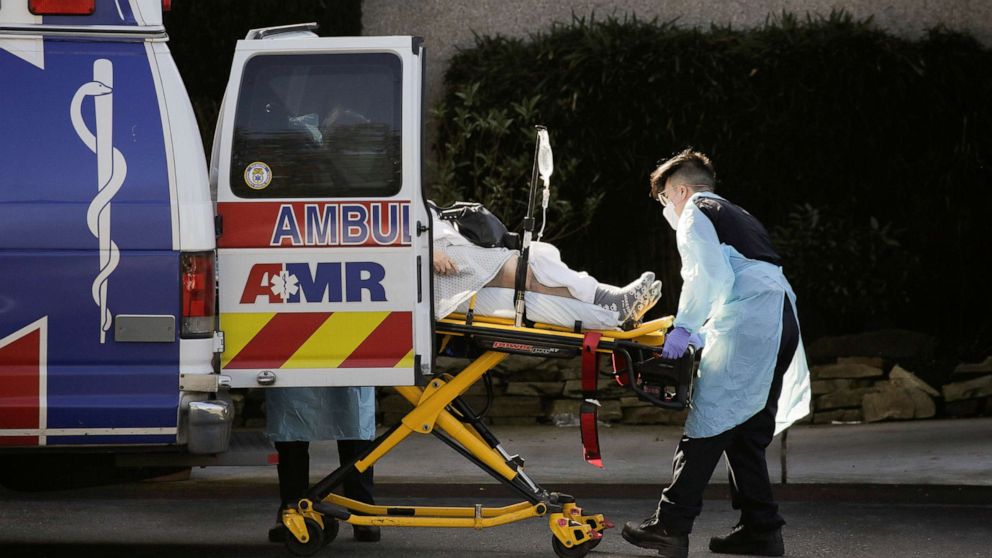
column 141, row 284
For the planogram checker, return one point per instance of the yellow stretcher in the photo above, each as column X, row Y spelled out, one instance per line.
column 438, row 410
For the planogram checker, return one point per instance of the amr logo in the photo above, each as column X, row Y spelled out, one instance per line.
column 111, row 170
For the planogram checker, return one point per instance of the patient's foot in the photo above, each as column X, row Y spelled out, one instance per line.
column 652, row 298
column 624, row 300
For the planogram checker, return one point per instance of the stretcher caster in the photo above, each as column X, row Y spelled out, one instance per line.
column 577, row 551
column 331, row 528
column 571, row 538
column 596, row 522
column 314, row 539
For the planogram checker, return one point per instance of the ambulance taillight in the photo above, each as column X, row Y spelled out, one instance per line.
column 62, row 7
column 199, row 294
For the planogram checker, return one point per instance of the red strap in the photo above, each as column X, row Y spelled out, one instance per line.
column 620, row 369
column 589, row 361
column 588, row 424
column 589, row 427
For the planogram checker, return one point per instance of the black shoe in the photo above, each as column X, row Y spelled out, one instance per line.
column 366, row 533
column 748, row 541
column 650, row 533
column 278, row 533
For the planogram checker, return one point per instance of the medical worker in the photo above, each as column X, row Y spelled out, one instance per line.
column 753, row 381
column 297, row 416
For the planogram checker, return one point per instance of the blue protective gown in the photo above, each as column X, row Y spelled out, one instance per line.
column 735, row 304
column 302, row 414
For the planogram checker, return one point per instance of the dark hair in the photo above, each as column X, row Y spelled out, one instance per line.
column 695, row 167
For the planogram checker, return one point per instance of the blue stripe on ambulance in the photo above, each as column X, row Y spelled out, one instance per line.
column 50, row 257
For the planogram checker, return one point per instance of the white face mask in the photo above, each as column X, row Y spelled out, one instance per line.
column 670, row 216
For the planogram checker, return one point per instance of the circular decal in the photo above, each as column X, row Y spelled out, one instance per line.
column 258, row 175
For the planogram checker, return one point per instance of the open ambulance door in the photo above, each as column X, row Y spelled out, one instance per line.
column 324, row 250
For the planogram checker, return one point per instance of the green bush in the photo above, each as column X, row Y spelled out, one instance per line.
column 826, row 111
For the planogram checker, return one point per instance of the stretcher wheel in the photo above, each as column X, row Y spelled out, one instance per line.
column 577, row 551
column 310, row 547
column 331, row 528
column 594, row 542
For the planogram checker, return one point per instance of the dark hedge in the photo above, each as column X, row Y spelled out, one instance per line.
column 202, row 35
column 866, row 154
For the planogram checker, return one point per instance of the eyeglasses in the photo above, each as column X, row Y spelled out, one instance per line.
column 663, row 199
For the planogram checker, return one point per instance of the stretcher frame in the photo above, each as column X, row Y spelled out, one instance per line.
column 437, row 410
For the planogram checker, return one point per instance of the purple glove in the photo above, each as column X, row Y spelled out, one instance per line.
column 676, row 342
column 696, row 341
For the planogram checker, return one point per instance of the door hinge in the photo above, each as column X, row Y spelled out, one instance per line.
column 218, row 341
column 218, row 225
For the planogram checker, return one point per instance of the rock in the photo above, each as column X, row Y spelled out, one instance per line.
column 238, row 402
column 849, row 370
column 677, row 418
column 841, row 399
column 394, row 403
column 820, row 387
column 515, row 406
column 610, row 410
column 513, row 421
column 984, row 367
column 971, row 389
column 451, row 364
column 904, row 378
column 479, row 388
column 923, row 405
column 894, row 344
column 550, row 389
column 877, row 362
column 633, row 401
column 964, row 408
column 606, row 388
column 838, row 415
column 389, row 419
column 565, row 412
column 894, row 403
column 653, row 415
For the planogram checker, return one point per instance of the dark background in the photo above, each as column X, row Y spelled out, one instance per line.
column 865, row 154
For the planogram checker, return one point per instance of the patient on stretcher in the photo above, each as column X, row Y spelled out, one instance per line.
column 556, row 294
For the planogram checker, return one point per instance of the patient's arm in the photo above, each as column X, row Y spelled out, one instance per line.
column 506, row 278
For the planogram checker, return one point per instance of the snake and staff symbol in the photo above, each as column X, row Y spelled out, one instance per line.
column 111, row 170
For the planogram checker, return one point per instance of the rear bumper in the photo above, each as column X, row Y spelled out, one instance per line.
column 209, row 426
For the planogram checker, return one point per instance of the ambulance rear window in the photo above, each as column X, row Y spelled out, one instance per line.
column 318, row 126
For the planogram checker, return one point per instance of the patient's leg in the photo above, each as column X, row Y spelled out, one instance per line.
column 506, row 278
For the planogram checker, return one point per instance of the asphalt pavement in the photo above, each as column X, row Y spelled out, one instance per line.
column 106, row 523
column 910, row 489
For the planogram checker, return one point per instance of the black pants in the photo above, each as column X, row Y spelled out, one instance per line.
column 744, row 446
column 294, row 471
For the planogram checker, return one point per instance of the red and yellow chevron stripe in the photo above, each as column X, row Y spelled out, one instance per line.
column 318, row 340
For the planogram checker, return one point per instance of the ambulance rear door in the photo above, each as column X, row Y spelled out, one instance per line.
column 324, row 244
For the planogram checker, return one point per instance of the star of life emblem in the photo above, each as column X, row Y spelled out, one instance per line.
column 284, row 285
